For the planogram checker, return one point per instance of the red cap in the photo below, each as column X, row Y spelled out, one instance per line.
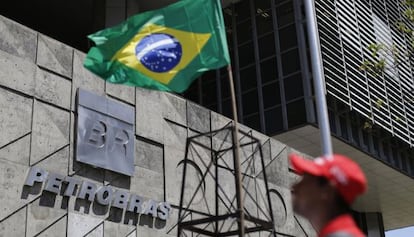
column 343, row 172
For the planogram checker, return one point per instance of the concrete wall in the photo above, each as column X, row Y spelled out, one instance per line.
column 39, row 77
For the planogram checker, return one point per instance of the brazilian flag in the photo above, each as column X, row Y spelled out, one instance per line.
column 164, row 49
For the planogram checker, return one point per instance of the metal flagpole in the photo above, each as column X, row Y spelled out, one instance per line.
column 237, row 170
column 318, row 78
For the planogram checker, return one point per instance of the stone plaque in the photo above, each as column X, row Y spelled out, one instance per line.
column 105, row 133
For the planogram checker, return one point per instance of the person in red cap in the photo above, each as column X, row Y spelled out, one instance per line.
column 324, row 194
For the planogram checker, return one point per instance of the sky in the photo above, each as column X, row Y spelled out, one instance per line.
column 404, row 232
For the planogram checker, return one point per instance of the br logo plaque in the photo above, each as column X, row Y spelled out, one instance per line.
column 105, row 133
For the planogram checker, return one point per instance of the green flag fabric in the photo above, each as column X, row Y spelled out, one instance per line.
column 164, row 49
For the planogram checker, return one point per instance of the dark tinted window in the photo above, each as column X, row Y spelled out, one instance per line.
column 248, row 78
column 269, row 70
column 287, row 37
column 271, row 95
column 253, row 121
column 293, row 87
column 244, row 32
column 296, row 113
column 243, row 10
column 285, row 14
column 246, row 54
column 250, row 102
column 274, row 120
column 290, row 62
column 266, row 46
column 264, row 22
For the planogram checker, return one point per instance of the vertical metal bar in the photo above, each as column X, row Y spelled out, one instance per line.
column 236, row 158
column 257, row 66
column 279, row 65
column 217, row 191
column 318, row 78
column 182, row 190
column 236, row 65
column 267, row 187
column 304, row 63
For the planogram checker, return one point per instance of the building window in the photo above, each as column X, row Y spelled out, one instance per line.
column 290, row 62
column 246, row 54
column 266, row 46
column 296, row 112
column 274, row 120
column 293, row 86
column 248, row 78
column 289, row 39
column 268, row 70
column 271, row 95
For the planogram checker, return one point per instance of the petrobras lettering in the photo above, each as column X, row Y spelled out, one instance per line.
column 103, row 194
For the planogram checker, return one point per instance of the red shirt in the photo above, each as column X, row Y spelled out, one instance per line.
column 343, row 223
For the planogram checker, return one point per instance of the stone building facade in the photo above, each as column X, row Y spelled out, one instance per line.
column 39, row 80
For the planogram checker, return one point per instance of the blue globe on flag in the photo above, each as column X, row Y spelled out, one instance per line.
column 159, row 52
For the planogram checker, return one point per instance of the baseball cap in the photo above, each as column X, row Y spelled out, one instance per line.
column 343, row 172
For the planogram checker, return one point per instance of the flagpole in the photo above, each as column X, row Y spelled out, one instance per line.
column 239, row 185
column 318, row 81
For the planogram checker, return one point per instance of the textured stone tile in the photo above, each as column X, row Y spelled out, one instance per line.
column 293, row 178
column 80, row 225
column 159, row 228
column 218, row 121
column 260, row 136
column 14, row 225
column 277, row 170
column 17, row 151
column 53, row 88
column 276, row 148
column 15, row 116
column 17, row 73
column 117, row 180
column 122, row 92
column 198, row 118
column 82, row 209
column 84, row 78
column 72, row 144
column 148, row 184
column 307, row 230
column 132, row 234
column 266, row 149
column 117, row 230
column 40, row 217
column 199, row 140
column 58, row 229
column 87, row 172
column 281, row 200
column 173, row 170
column 149, row 109
column 202, row 191
column 97, row 232
column 147, row 232
column 50, row 130
column 17, row 39
column 255, row 198
column 12, row 177
column 175, row 135
column 149, row 156
column 54, row 55
column 56, row 163
column 175, row 108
